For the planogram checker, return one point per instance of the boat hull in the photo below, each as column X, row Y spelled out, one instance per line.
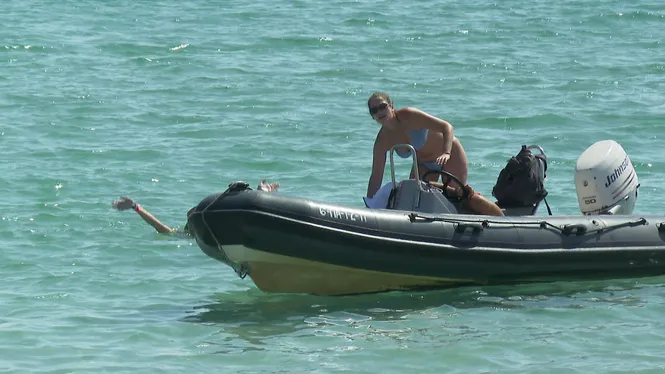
column 278, row 273
column 290, row 244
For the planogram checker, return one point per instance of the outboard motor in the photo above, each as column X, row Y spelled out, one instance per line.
column 605, row 180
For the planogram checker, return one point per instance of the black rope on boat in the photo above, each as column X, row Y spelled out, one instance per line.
column 485, row 223
column 415, row 216
column 580, row 229
column 233, row 187
column 573, row 228
column 638, row 222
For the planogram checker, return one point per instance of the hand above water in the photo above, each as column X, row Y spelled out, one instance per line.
column 124, row 203
column 267, row 187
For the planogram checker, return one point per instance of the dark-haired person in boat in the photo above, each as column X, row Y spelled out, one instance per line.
column 431, row 137
column 126, row 203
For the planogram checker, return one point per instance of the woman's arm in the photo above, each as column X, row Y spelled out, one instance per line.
column 378, row 165
column 127, row 203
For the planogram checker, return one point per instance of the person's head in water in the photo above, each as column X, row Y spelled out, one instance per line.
column 381, row 107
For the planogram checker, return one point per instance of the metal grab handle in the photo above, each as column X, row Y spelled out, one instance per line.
column 535, row 146
column 540, row 162
column 415, row 163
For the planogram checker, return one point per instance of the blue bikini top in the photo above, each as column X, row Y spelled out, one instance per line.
column 418, row 138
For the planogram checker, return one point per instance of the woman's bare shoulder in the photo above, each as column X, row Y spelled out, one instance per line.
column 409, row 113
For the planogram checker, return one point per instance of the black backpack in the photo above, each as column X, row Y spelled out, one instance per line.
column 520, row 182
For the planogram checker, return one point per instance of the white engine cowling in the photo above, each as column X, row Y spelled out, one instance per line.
column 605, row 180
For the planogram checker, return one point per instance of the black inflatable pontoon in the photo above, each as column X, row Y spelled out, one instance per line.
column 423, row 241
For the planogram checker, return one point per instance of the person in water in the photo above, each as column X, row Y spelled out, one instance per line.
column 126, row 203
column 474, row 202
column 436, row 146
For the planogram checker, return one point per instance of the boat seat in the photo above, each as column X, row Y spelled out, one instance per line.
column 416, row 195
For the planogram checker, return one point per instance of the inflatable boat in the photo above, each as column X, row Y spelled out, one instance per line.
column 423, row 239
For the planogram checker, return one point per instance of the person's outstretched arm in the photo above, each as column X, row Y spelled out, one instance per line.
column 128, row 203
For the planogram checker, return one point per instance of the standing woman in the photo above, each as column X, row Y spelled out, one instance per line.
column 432, row 138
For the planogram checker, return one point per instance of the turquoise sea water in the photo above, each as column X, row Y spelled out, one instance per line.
column 169, row 101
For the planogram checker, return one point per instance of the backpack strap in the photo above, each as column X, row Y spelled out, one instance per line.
column 549, row 211
column 544, row 159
